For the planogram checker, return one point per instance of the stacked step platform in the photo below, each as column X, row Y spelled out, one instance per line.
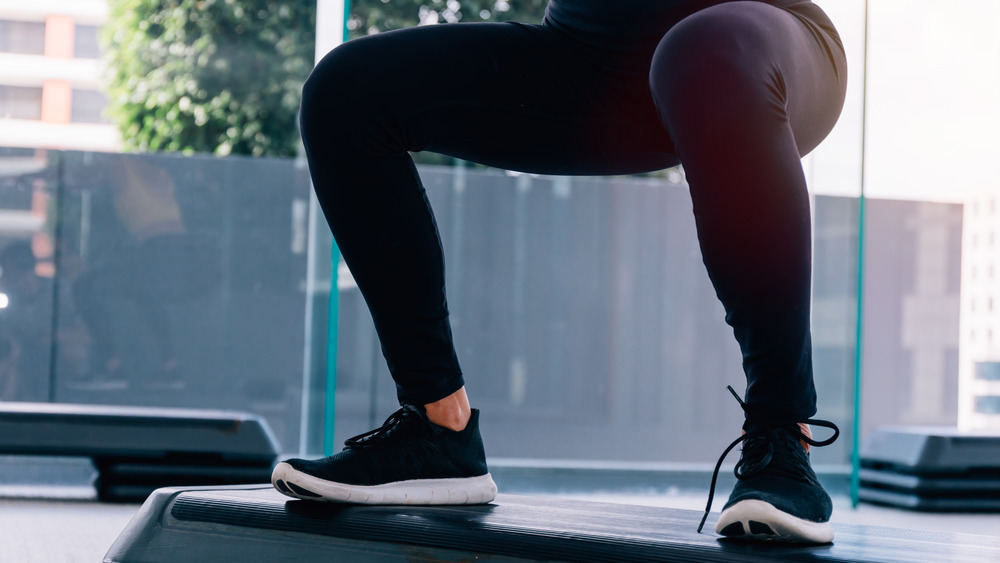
column 139, row 449
column 931, row 469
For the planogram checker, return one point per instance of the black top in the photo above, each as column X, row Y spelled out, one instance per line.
column 607, row 22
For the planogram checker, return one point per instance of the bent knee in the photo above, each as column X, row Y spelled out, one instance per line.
column 724, row 51
column 342, row 87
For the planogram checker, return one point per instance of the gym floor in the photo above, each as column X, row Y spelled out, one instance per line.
column 56, row 524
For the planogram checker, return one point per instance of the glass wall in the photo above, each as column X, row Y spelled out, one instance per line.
column 581, row 308
column 28, row 185
column 155, row 280
column 584, row 320
column 583, row 315
column 932, row 148
column 585, row 323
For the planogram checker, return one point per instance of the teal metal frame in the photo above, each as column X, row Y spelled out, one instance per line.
column 333, row 315
column 859, row 321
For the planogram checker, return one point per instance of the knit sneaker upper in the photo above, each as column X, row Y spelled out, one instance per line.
column 774, row 468
column 407, row 446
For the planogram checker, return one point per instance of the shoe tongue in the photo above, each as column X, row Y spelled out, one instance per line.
column 415, row 409
column 753, row 427
column 404, row 420
column 789, row 433
column 412, row 413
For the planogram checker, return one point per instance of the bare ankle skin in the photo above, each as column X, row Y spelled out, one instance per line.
column 451, row 412
column 807, row 432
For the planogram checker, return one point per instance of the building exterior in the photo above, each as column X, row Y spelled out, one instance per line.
column 980, row 326
column 50, row 76
column 912, row 298
column 50, row 98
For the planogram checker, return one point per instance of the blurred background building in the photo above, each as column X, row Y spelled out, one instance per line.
column 50, row 98
column 50, row 82
column 980, row 333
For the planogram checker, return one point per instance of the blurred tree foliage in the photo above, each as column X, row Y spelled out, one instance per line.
column 373, row 16
column 218, row 76
column 224, row 76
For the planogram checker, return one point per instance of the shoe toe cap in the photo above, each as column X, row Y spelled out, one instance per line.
column 803, row 500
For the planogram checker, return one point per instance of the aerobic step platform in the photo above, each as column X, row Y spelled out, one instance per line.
column 256, row 523
column 137, row 450
column 931, row 468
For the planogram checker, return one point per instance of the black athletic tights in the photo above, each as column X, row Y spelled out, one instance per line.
column 737, row 92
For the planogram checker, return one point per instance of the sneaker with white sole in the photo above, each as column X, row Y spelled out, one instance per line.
column 408, row 460
column 777, row 496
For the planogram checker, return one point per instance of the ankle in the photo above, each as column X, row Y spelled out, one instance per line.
column 452, row 412
column 456, row 421
column 807, row 432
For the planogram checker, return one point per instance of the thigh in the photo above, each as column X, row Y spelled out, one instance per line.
column 514, row 96
column 770, row 65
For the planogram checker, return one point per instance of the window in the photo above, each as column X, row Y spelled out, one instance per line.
column 24, row 38
column 18, row 102
column 85, row 42
column 88, row 107
column 988, row 404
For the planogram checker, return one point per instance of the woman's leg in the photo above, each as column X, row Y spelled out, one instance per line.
column 745, row 89
column 513, row 96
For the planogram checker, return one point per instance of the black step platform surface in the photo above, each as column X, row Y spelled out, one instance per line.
column 927, row 503
column 931, row 449
column 139, row 449
column 932, row 469
column 932, row 484
column 256, row 523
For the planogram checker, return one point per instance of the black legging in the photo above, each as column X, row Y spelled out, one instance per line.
column 737, row 92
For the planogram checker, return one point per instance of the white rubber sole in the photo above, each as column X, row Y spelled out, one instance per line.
column 758, row 520
column 470, row 490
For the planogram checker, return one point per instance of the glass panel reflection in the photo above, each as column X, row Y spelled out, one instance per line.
column 28, row 184
column 586, row 324
column 181, row 283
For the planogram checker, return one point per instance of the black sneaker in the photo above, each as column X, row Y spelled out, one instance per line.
column 409, row 460
column 777, row 496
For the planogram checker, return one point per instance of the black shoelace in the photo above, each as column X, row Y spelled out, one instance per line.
column 758, row 449
column 391, row 427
